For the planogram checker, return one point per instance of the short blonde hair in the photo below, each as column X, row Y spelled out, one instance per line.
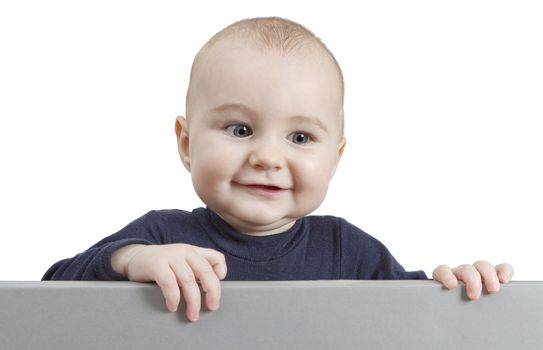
column 270, row 33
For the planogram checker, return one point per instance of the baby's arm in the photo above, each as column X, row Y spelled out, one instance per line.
column 172, row 266
column 474, row 276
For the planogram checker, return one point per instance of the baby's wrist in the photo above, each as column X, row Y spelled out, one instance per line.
column 122, row 256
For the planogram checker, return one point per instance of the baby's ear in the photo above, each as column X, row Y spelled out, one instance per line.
column 340, row 149
column 182, row 132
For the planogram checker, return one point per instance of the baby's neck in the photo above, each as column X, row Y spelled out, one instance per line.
column 258, row 230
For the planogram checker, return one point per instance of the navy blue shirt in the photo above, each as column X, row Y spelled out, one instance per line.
column 314, row 248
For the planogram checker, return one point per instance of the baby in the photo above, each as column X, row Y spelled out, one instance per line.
column 262, row 138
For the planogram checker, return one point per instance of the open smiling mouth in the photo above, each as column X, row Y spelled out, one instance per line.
column 266, row 187
column 268, row 190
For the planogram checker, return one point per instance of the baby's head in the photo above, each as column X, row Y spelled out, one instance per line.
column 263, row 132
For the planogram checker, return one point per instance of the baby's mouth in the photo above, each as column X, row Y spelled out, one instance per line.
column 265, row 190
column 266, row 187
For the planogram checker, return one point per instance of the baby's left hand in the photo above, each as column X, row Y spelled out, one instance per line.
column 473, row 276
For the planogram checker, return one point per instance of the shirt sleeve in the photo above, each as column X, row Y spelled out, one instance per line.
column 95, row 262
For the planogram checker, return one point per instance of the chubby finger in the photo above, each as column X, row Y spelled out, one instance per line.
column 444, row 274
column 167, row 282
column 489, row 275
column 190, row 289
column 208, row 279
column 505, row 272
column 472, row 279
column 215, row 259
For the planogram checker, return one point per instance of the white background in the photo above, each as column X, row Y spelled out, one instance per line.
column 444, row 122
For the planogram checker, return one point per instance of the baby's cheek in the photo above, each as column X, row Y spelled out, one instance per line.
column 208, row 170
column 312, row 179
column 207, row 184
column 211, row 170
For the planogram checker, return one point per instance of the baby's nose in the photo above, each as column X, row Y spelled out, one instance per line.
column 267, row 155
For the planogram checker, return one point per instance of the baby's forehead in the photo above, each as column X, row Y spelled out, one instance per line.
column 233, row 62
column 235, row 48
column 241, row 81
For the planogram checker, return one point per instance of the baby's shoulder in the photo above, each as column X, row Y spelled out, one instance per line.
column 329, row 224
column 352, row 240
column 163, row 220
column 163, row 216
column 176, row 214
column 171, row 225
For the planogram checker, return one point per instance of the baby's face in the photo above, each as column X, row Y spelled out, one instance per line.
column 264, row 135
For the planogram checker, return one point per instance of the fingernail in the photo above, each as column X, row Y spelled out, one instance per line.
column 213, row 306
column 193, row 315
column 474, row 295
column 450, row 283
column 496, row 286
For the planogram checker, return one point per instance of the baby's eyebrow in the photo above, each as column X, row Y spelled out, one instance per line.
column 234, row 106
column 313, row 120
column 247, row 110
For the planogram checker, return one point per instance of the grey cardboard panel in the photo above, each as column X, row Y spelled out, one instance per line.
column 271, row 315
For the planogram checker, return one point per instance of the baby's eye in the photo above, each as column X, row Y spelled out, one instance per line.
column 239, row 130
column 299, row 138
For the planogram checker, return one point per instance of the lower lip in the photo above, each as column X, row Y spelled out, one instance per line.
column 268, row 191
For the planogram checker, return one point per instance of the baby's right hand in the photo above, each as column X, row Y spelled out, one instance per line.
column 172, row 266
